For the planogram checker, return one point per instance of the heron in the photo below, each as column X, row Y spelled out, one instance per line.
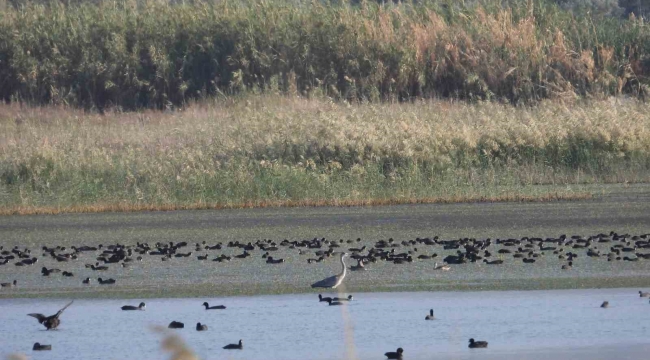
column 50, row 322
column 333, row 281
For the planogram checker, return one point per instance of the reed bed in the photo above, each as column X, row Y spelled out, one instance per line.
column 162, row 54
column 272, row 150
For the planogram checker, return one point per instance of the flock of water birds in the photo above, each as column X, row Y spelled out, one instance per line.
column 612, row 246
column 53, row 321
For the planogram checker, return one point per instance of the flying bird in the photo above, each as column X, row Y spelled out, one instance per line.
column 50, row 322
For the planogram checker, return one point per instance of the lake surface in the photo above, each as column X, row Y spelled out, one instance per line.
column 517, row 324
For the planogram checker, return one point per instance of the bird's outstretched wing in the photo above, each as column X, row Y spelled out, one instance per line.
column 40, row 317
column 65, row 307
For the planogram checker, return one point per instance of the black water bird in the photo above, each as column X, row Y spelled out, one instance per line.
column 106, row 282
column 477, row 344
column 493, row 262
column 332, row 302
column 98, row 268
column 131, row 307
column 321, row 298
column 11, row 284
column 52, row 321
column 176, row 325
column 239, row 346
column 201, row 327
column 46, row 272
column 605, row 304
column 39, row 347
column 270, row 260
column 430, row 316
column 216, row 307
column 395, row 354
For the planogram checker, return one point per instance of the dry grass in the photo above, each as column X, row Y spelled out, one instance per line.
column 278, row 151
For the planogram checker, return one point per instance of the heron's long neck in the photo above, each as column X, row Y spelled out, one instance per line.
column 343, row 266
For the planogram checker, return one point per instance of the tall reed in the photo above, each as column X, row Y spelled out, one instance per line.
column 158, row 54
column 275, row 150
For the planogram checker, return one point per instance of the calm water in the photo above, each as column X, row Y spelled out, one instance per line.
column 517, row 324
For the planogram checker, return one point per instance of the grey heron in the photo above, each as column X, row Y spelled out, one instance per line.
column 333, row 281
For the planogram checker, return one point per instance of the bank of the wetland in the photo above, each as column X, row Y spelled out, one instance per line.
column 203, row 290
column 268, row 150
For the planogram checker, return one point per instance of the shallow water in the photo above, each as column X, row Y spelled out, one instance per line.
column 517, row 324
